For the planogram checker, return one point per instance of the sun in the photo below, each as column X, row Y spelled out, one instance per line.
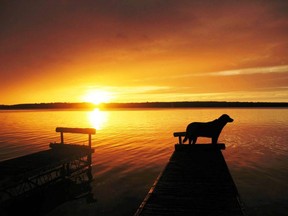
column 97, row 97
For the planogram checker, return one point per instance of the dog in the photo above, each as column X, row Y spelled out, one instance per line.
column 206, row 129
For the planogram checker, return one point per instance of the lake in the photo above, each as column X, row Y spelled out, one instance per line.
column 133, row 146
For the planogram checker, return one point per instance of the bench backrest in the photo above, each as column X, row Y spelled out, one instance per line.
column 88, row 131
column 179, row 135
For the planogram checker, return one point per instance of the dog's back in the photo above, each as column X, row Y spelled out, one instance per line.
column 206, row 129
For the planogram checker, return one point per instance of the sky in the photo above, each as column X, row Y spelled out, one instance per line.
column 143, row 50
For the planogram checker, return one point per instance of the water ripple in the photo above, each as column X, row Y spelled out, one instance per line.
column 132, row 147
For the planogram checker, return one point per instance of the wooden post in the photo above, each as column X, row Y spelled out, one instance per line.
column 89, row 157
column 89, row 138
column 62, row 137
column 180, row 140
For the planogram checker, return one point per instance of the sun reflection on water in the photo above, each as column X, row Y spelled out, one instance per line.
column 97, row 118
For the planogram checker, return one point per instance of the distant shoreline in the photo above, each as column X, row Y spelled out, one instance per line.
column 183, row 104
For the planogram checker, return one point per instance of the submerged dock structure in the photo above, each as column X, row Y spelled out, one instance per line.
column 196, row 181
column 23, row 175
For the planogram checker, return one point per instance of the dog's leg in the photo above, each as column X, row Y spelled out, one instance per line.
column 194, row 139
column 214, row 140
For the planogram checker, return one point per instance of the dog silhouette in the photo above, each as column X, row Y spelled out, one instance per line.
column 206, row 129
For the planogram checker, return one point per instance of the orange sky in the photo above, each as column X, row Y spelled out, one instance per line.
column 145, row 50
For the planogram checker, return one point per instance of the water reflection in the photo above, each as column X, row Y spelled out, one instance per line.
column 97, row 118
column 140, row 143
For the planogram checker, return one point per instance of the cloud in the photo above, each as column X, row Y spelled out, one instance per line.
column 247, row 71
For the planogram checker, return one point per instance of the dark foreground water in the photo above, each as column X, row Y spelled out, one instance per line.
column 133, row 146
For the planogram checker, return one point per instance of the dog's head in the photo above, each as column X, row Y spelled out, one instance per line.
column 225, row 118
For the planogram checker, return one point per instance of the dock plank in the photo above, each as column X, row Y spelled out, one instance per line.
column 196, row 181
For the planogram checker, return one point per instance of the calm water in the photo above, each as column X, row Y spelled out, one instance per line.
column 132, row 147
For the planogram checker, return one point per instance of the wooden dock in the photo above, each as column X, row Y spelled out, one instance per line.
column 22, row 175
column 196, row 181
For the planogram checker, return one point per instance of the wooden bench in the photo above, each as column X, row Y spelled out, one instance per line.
column 88, row 131
column 179, row 135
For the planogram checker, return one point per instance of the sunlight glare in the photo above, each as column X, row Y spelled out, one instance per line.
column 97, row 118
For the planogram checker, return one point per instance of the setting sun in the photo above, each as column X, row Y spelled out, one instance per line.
column 97, row 97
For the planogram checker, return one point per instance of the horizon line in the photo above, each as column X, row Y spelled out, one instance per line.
column 154, row 104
